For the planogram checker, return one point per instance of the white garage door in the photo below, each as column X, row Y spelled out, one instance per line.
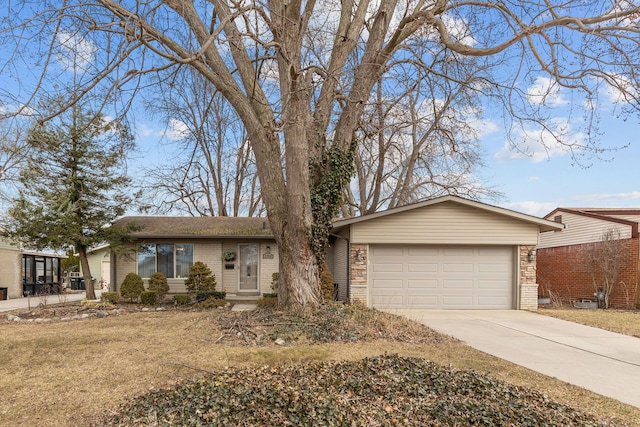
column 450, row 277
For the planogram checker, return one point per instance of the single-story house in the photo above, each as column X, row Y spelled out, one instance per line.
column 562, row 273
column 25, row 271
column 447, row 253
column 241, row 252
column 444, row 253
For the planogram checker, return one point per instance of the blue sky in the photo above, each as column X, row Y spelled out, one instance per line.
column 549, row 179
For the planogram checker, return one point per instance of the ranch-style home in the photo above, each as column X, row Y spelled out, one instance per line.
column 445, row 253
column 241, row 252
column 562, row 273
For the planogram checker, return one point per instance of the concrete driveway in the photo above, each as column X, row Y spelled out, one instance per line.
column 603, row 362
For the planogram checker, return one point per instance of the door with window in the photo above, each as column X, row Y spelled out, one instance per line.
column 248, row 265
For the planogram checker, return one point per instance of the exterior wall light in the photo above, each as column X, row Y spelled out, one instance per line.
column 531, row 255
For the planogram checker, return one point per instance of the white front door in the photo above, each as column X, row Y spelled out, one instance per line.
column 105, row 273
column 248, row 263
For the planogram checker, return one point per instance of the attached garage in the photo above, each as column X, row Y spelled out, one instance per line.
column 445, row 253
column 446, row 277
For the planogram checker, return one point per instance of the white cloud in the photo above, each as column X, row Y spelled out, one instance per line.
column 74, row 52
column 176, row 130
column 539, row 144
column 546, row 92
column 621, row 91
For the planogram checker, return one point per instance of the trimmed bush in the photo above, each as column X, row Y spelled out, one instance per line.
column 158, row 282
column 204, row 295
column 182, row 299
column 132, row 286
column 149, row 297
column 210, row 303
column 110, row 297
column 200, row 278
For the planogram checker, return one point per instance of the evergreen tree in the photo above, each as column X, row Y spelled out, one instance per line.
column 200, row 278
column 73, row 186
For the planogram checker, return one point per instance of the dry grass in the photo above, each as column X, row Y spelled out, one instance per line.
column 64, row 374
column 621, row 321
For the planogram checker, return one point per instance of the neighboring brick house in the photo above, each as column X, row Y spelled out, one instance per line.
column 561, row 269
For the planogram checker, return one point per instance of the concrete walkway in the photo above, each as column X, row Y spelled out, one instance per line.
column 600, row 361
column 34, row 301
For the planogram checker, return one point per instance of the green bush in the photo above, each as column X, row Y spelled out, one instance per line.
column 182, row 299
column 158, row 282
column 270, row 295
column 149, row 297
column 268, row 302
column 200, row 278
column 204, row 295
column 110, row 297
column 132, row 286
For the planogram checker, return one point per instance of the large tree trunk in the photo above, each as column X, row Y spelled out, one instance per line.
column 86, row 272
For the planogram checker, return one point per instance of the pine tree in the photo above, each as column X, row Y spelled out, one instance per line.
column 200, row 278
column 74, row 185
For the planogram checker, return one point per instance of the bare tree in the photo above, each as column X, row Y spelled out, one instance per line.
column 212, row 172
column 299, row 75
column 605, row 261
column 419, row 136
column 14, row 152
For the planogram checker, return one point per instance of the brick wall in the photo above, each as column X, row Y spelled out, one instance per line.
column 561, row 271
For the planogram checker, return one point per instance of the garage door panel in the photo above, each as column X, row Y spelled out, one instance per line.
column 422, row 284
column 446, row 277
column 422, row 268
column 388, row 267
column 448, row 251
column 450, row 267
column 423, row 302
column 422, row 251
column 394, row 284
column 492, row 284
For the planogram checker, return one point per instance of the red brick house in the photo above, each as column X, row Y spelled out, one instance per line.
column 561, row 269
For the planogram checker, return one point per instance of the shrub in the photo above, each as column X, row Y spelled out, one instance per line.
column 210, row 303
column 203, row 295
column 132, row 286
column 326, row 283
column 200, row 278
column 158, row 282
column 149, row 297
column 182, row 299
column 268, row 302
column 110, row 297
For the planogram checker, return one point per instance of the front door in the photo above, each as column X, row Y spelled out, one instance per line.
column 248, row 268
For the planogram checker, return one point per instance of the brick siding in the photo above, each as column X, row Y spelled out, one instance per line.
column 561, row 274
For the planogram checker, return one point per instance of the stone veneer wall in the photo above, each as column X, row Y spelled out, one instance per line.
column 358, row 274
column 528, row 285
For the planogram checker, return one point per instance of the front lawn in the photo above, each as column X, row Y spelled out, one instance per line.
column 621, row 321
column 74, row 373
